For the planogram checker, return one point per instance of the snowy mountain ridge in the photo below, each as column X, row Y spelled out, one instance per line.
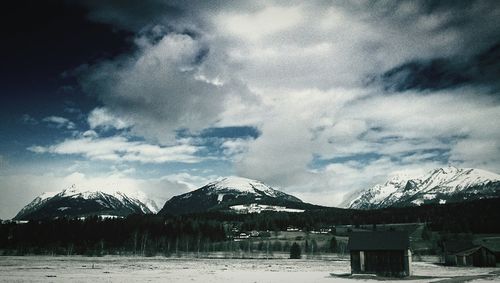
column 76, row 202
column 440, row 185
column 243, row 186
column 227, row 192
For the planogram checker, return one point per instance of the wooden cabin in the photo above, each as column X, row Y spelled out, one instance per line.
column 467, row 255
column 492, row 244
column 452, row 247
column 383, row 253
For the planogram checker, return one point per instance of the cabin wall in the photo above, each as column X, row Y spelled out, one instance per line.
column 407, row 262
column 450, row 259
column 387, row 263
column 497, row 256
column 355, row 262
column 483, row 258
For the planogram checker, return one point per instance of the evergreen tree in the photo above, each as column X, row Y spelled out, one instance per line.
column 295, row 252
column 426, row 233
column 333, row 245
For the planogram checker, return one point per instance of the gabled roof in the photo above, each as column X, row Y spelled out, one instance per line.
column 494, row 247
column 472, row 250
column 455, row 246
column 469, row 251
column 376, row 241
column 492, row 243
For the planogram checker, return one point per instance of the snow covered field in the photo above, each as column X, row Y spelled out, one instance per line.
column 160, row 269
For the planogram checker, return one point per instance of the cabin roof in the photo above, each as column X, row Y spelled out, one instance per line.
column 472, row 250
column 456, row 246
column 468, row 252
column 492, row 244
column 376, row 241
column 494, row 247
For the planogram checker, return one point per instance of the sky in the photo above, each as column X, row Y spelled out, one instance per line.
column 317, row 98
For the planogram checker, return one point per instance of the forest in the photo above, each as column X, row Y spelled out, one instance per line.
column 150, row 235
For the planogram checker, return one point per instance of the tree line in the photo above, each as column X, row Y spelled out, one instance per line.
column 213, row 231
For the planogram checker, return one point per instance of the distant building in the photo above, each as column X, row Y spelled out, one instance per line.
column 14, row 221
column 382, row 253
column 241, row 236
column 492, row 244
column 467, row 254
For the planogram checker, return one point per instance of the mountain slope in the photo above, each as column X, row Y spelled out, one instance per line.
column 440, row 185
column 236, row 194
column 77, row 203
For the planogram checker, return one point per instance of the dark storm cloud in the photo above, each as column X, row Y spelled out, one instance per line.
column 231, row 132
column 440, row 73
column 389, row 38
column 132, row 15
column 175, row 15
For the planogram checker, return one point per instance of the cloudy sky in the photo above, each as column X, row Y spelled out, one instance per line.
column 319, row 98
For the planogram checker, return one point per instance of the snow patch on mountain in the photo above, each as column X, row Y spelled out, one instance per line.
column 141, row 197
column 242, row 185
column 258, row 208
column 38, row 201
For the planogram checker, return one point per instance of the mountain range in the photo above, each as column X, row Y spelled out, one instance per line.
column 242, row 195
column 441, row 185
column 74, row 202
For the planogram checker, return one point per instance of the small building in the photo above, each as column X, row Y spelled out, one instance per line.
column 492, row 244
column 241, row 236
column 467, row 254
column 452, row 247
column 384, row 253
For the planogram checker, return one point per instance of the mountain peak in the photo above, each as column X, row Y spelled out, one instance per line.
column 71, row 190
column 242, row 185
column 234, row 181
column 228, row 192
column 436, row 186
column 450, row 169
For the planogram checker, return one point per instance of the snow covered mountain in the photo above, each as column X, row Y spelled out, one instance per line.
column 73, row 202
column 233, row 193
column 440, row 185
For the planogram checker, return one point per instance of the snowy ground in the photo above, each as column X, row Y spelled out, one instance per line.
column 160, row 269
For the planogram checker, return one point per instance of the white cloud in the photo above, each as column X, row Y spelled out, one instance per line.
column 101, row 117
column 90, row 134
column 299, row 74
column 158, row 90
column 253, row 26
column 119, row 149
column 192, row 182
column 477, row 152
column 37, row 149
column 60, row 122
column 234, row 148
column 310, row 45
column 27, row 119
column 406, row 132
